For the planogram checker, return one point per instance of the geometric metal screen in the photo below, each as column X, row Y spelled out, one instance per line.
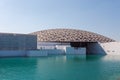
column 69, row 35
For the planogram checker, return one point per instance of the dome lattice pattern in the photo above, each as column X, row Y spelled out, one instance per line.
column 69, row 35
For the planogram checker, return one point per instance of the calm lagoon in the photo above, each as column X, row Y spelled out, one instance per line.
column 71, row 67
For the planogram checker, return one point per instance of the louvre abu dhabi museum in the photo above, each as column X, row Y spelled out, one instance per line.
column 73, row 41
column 57, row 41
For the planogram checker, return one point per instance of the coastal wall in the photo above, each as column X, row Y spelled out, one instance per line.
column 111, row 48
column 51, row 45
column 36, row 53
column 45, row 52
column 54, row 48
column 12, row 53
column 30, row 53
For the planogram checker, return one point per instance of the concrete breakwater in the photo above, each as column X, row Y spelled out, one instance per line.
column 45, row 52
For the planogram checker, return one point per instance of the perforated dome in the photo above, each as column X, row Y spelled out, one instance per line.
column 69, row 35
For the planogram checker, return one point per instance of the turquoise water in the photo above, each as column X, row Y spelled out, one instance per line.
column 61, row 68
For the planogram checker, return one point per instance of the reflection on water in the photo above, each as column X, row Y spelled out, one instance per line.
column 76, row 57
column 72, row 67
column 94, row 57
column 111, row 58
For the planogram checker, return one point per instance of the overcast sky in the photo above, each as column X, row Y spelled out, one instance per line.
column 25, row 16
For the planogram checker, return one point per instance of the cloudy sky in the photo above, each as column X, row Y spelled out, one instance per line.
column 25, row 16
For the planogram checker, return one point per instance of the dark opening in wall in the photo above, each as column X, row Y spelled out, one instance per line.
column 91, row 47
column 78, row 44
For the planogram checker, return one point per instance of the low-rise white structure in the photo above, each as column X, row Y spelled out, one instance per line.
column 12, row 41
column 72, row 41
column 57, row 42
column 111, row 48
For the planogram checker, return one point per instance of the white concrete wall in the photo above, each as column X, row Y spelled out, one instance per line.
column 62, row 47
column 46, row 52
column 111, row 48
column 12, row 53
column 17, row 41
column 72, row 50
column 30, row 53
column 36, row 53
column 50, row 45
column 61, row 51
column 55, row 52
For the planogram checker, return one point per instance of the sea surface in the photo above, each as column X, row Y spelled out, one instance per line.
column 72, row 67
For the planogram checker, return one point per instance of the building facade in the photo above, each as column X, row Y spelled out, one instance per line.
column 72, row 41
column 17, row 41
